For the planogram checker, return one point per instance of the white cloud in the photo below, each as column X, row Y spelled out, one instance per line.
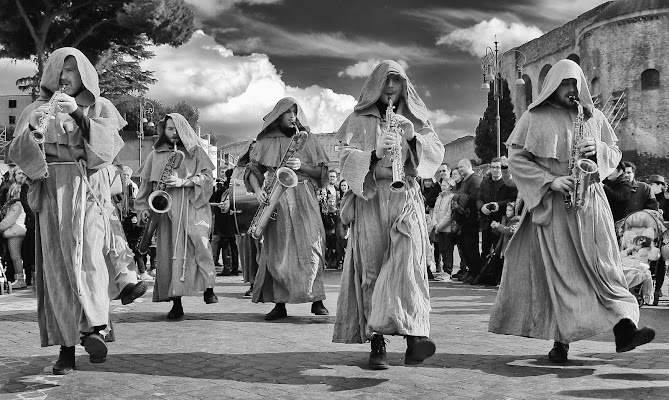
column 440, row 117
column 477, row 38
column 215, row 7
column 362, row 69
column 11, row 70
column 232, row 92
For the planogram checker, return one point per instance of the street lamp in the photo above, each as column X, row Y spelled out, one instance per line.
column 145, row 109
column 491, row 65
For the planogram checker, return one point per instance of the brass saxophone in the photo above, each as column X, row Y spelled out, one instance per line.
column 581, row 170
column 275, row 185
column 395, row 153
column 160, row 201
column 40, row 131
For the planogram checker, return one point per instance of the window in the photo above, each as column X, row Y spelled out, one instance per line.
column 12, row 103
column 650, row 79
column 528, row 90
column 12, row 119
column 336, row 148
column 542, row 76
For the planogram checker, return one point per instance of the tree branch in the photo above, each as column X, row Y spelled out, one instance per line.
column 88, row 32
column 30, row 26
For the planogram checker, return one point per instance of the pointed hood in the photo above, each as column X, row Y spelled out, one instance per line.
column 281, row 107
column 54, row 66
column 565, row 69
column 186, row 134
column 371, row 90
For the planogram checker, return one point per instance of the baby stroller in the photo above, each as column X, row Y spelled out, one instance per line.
column 646, row 223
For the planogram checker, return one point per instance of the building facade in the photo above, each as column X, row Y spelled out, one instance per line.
column 463, row 147
column 622, row 47
column 11, row 107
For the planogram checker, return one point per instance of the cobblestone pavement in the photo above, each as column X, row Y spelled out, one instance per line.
column 227, row 350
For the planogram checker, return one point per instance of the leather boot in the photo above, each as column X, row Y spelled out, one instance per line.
column 279, row 311
column 209, row 296
column 95, row 346
column 377, row 357
column 318, row 308
column 419, row 349
column 628, row 337
column 132, row 291
column 558, row 353
column 65, row 362
column 177, row 310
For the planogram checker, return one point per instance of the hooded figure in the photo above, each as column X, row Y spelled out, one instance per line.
column 562, row 278
column 384, row 288
column 70, row 192
column 184, row 258
column 291, row 261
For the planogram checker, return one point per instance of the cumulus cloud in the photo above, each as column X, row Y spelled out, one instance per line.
column 477, row 38
column 362, row 69
column 440, row 117
column 232, row 92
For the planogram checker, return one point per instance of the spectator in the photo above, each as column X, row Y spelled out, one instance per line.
column 468, row 240
column 659, row 188
column 445, row 228
column 442, row 173
column 331, row 187
column 457, row 178
column 642, row 198
column 491, row 202
column 13, row 228
column 618, row 191
column 343, row 188
column 28, row 248
column 216, row 241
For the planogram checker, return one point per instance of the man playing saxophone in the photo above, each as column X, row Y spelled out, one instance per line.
column 563, row 277
column 185, row 265
column 384, row 288
column 291, row 259
column 70, row 193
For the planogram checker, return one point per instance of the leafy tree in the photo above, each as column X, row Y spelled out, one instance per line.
column 486, row 131
column 191, row 113
column 128, row 106
column 32, row 29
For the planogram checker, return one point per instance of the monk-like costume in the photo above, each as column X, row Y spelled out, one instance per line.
column 70, row 193
column 562, row 276
column 384, row 288
column 291, row 261
column 185, row 265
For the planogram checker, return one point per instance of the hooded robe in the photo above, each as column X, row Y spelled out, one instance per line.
column 73, row 204
column 384, row 286
column 182, row 235
column 291, row 261
column 562, row 276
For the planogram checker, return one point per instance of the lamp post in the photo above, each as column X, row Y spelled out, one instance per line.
column 491, row 65
column 145, row 109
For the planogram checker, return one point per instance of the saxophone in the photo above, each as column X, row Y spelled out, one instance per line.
column 40, row 131
column 275, row 185
column 395, row 153
column 581, row 170
column 160, row 201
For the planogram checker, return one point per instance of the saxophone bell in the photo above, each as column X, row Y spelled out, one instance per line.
column 160, row 201
column 37, row 136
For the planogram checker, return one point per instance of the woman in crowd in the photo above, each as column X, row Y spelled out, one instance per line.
column 13, row 228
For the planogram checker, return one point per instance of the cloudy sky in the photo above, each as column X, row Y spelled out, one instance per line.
column 247, row 54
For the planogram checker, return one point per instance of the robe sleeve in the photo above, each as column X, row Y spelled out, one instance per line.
column 608, row 153
column 358, row 170
column 429, row 151
column 24, row 151
column 146, row 186
column 532, row 180
column 203, row 180
column 256, row 169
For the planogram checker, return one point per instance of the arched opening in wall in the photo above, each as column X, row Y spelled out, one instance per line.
column 575, row 58
column 528, row 89
column 596, row 92
column 542, row 75
column 650, row 79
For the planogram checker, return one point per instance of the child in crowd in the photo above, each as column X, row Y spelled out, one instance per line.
column 444, row 227
column 491, row 273
column 636, row 258
column 330, row 221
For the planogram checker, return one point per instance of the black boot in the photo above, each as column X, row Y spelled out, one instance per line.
column 95, row 346
column 318, row 308
column 132, row 291
column 558, row 353
column 377, row 357
column 209, row 296
column 419, row 348
column 177, row 310
column 279, row 311
column 628, row 337
column 65, row 362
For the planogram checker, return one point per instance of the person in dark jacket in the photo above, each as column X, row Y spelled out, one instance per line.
column 491, row 202
column 468, row 240
column 659, row 188
column 642, row 197
column 618, row 191
column 430, row 193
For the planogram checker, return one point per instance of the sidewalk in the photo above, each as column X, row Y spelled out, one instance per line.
column 227, row 350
